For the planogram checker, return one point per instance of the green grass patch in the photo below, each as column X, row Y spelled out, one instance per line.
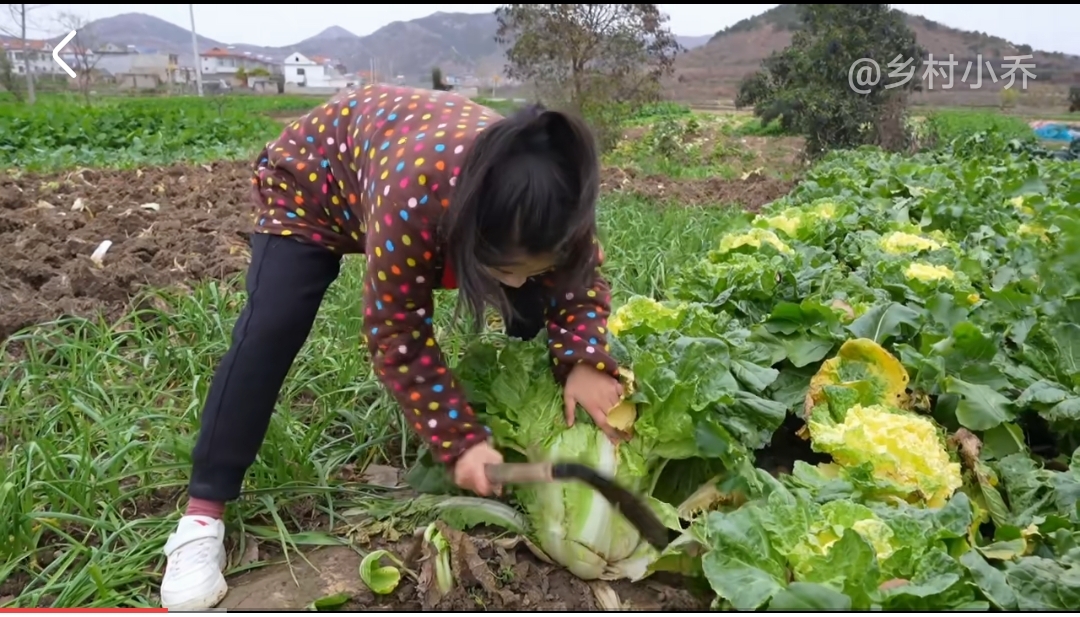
column 755, row 128
column 57, row 133
column 948, row 125
column 682, row 147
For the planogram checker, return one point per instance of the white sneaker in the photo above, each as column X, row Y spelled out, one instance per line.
column 195, row 558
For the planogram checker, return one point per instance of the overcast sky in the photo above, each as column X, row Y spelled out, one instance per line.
column 1050, row 27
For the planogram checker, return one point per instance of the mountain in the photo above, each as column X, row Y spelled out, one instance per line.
column 142, row 30
column 692, row 42
column 457, row 42
column 333, row 33
column 712, row 72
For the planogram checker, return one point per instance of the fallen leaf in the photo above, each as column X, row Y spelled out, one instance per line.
column 606, row 598
column 468, row 565
column 251, row 551
column 382, row 475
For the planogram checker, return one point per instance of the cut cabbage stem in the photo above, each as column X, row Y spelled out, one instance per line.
column 630, row 505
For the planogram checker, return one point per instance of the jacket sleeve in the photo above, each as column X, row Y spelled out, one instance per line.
column 398, row 310
column 577, row 325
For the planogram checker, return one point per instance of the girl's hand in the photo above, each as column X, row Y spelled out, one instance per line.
column 470, row 473
column 596, row 392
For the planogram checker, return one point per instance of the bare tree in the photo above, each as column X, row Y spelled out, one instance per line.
column 8, row 79
column 81, row 48
column 19, row 14
column 588, row 51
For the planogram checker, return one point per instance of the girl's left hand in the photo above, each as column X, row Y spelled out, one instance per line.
column 596, row 392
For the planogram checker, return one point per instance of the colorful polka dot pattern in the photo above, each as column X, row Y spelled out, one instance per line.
column 371, row 172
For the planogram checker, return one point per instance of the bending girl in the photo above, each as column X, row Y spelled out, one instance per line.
column 437, row 192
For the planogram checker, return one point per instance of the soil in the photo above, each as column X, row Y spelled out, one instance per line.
column 750, row 193
column 167, row 226
column 178, row 224
column 489, row 574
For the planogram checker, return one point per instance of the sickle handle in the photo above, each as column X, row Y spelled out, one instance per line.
column 518, row 473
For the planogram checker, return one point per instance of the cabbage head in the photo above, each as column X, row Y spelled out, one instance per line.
column 569, row 523
column 856, row 414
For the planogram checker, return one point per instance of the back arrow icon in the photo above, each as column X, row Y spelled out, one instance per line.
column 56, row 53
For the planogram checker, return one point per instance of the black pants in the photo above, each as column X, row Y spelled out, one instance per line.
column 286, row 282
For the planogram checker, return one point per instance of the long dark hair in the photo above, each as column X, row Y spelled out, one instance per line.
column 528, row 187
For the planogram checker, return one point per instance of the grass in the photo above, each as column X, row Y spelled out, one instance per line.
column 101, row 418
column 950, row 124
column 1024, row 113
column 696, row 145
column 122, row 132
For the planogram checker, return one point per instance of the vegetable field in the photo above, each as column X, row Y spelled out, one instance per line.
column 848, row 386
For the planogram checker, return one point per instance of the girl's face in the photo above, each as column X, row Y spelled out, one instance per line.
column 515, row 274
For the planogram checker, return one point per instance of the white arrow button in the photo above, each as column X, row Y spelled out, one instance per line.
column 56, row 53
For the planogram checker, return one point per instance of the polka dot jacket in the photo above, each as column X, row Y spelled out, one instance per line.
column 372, row 171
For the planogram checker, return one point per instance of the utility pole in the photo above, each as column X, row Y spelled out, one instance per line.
column 31, row 95
column 195, row 50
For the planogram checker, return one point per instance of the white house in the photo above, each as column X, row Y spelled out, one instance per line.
column 313, row 73
column 39, row 53
column 220, row 63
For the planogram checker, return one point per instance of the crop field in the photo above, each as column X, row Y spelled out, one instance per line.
column 854, row 384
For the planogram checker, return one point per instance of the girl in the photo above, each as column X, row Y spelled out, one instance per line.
column 437, row 192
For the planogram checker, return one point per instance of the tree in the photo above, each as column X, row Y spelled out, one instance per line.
column 20, row 14
column 1074, row 99
column 809, row 87
column 81, row 48
column 9, row 80
column 1008, row 98
column 595, row 57
column 242, row 76
column 437, row 82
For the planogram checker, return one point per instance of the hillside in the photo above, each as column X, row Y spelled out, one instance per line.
column 693, row 42
column 459, row 42
column 142, row 31
column 713, row 71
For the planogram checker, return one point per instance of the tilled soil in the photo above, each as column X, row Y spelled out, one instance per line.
column 488, row 575
column 750, row 194
column 167, row 226
column 184, row 223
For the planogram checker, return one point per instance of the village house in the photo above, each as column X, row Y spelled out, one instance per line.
column 318, row 73
column 137, row 67
column 234, row 66
column 38, row 52
column 127, row 66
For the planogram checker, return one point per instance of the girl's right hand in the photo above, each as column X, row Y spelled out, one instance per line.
column 470, row 470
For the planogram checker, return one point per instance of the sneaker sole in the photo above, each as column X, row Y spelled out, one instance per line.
column 202, row 602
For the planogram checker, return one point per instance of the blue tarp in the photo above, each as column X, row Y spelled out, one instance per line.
column 1056, row 132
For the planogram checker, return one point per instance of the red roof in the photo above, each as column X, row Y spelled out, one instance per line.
column 15, row 43
column 218, row 52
